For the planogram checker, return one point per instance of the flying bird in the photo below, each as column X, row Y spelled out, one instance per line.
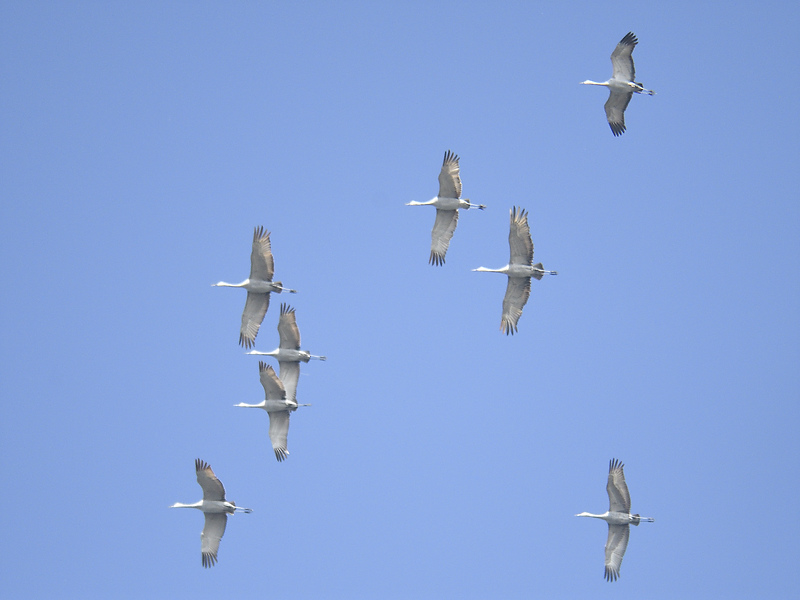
column 215, row 508
column 447, row 204
column 621, row 86
column 288, row 353
column 618, row 517
column 278, row 407
column 520, row 269
column 259, row 286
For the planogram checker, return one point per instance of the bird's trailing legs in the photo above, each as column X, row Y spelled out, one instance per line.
column 639, row 89
column 283, row 289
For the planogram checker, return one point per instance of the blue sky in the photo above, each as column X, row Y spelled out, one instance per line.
column 143, row 142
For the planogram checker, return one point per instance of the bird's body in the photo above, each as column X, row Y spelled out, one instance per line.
column 447, row 203
column 520, row 269
column 621, row 86
column 288, row 353
column 259, row 286
column 619, row 518
column 215, row 508
column 278, row 406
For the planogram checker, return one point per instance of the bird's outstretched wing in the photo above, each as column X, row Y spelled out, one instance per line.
column 615, row 549
column 212, row 533
column 449, row 178
column 212, row 487
column 622, row 59
column 273, row 386
column 262, row 265
column 615, row 110
column 517, row 293
column 279, row 432
column 289, row 376
column 443, row 228
column 255, row 307
column 287, row 328
column 619, row 499
column 519, row 238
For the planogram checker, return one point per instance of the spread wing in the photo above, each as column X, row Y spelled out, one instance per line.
column 517, row 293
column 443, row 228
column 449, row 178
column 622, row 58
column 619, row 500
column 615, row 109
column 287, row 328
column 615, row 549
column 273, row 387
column 262, row 265
column 255, row 307
column 519, row 238
column 212, row 487
column 278, row 432
column 290, row 374
column 212, row 533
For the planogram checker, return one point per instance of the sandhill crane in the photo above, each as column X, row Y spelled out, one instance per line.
column 447, row 204
column 621, row 86
column 288, row 353
column 278, row 406
column 215, row 508
column 258, row 286
column 520, row 269
column 618, row 517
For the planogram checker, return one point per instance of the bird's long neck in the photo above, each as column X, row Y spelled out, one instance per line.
column 182, row 505
column 415, row 203
column 485, row 270
column 590, row 82
column 270, row 353
column 586, row 514
column 243, row 405
column 224, row 284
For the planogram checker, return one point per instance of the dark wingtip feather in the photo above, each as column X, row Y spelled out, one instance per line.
column 509, row 327
column 260, row 233
column 630, row 39
column 246, row 342
column 281, row 454
column 209, row 560
column 436, row 260
column 611, row 575
column 450, row 156
column 617, row 128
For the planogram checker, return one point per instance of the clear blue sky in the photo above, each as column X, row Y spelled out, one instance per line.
column 142, row 143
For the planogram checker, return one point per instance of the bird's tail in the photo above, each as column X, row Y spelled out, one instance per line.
column 637, row 519
column 539, row 274
column 280, row 286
